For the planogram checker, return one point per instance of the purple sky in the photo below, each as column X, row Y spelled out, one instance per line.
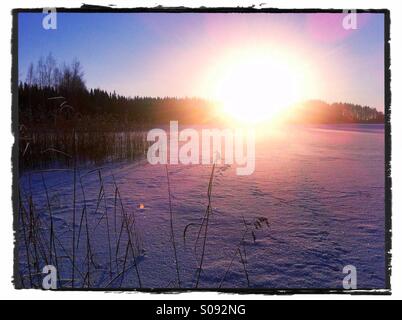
column 167, row 54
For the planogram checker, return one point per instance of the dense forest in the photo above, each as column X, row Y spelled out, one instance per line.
column 55, row 97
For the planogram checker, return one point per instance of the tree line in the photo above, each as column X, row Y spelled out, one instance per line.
column 56, row 96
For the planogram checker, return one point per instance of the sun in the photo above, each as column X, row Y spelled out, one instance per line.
column 258, row 86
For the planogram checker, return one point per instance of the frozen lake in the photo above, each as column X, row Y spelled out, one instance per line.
column 320, row 187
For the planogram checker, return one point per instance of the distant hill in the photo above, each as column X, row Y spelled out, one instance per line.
column 316, row 111
column 56, row 97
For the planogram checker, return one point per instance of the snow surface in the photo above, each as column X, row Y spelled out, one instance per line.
column 321, row 189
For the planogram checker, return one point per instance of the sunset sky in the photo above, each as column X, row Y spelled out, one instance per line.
column 194, row 54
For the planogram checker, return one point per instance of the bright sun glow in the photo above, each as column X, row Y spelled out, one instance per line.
column 257, row 86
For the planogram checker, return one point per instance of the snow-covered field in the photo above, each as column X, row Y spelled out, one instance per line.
column 320, row 188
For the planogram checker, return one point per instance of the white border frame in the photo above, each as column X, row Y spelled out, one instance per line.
column 7, row 290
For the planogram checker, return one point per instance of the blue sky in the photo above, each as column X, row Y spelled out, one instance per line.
column 166, row 54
